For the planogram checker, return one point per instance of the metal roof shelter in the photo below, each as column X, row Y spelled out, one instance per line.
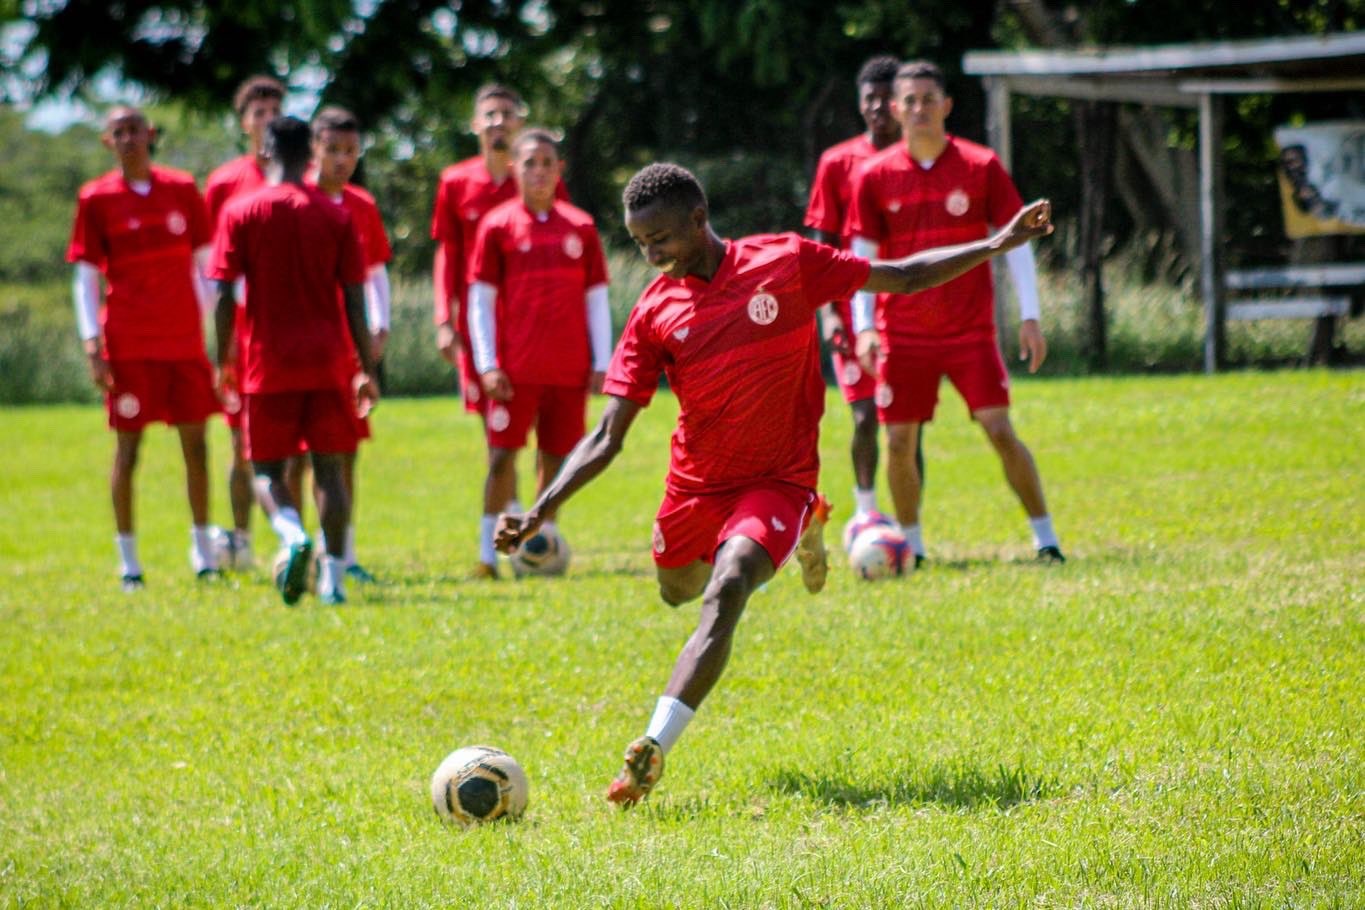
column 1195, row 76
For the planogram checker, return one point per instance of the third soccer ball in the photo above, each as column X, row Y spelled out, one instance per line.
column 879, row 552
column 479, row 784
column 544, row 553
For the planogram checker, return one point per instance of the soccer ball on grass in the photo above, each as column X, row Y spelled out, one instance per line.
column 545, row 552
column 860, row 523
column 479, row 784
column 879, row 552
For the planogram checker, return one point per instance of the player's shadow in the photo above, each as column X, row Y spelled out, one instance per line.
column 953, row 784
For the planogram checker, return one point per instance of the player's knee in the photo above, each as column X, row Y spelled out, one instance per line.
column 899, row 441
column 729, row 588
column 501, row 462
column 675, row 594
column 1000, row 432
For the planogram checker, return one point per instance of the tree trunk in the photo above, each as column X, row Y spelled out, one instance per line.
column 1095, row 130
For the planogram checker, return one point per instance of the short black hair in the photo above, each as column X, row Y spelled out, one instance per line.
column 921, row 69
column 288, row 140
column 539, row 135
column 671, row 184
column 253, row 88
column 878, row 69
column 337, row 118
column 498, row 90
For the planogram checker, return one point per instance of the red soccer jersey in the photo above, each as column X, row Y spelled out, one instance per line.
column 832, row 188
column 240, row 175
column 145, row 247
column 295, row 247
column 465, row 194
column 542, row 269
column 906, row 208
column 740, row 353
column 374, row 241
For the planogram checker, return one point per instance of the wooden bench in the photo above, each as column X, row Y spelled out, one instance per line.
column 1347, row 276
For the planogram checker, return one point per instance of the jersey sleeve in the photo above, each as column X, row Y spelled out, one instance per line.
column 637, row 362
column 377, row 249
column 225, row 263
column 485, row 262
column 1003, row 201
column 201, row 227
column 864, row 218
column 442, row 229
column 830, row 274
column 595, row 260
column 823, row 212
column 87, row 241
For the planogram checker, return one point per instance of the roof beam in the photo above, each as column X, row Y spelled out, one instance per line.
column 1134, row 91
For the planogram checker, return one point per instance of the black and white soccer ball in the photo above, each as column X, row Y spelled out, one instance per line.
column 545, row 552
column 479, row 784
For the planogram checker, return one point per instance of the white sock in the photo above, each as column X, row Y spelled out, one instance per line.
column 513, row 507
column 865, row 500
column 331, row 576
column 289, row 526
column 201, row 549
column 350, row 559
column 127, row 554
column 915, row 537
column 1043, row 535
column 670, row 719
column 488, row 554
column 548, row 527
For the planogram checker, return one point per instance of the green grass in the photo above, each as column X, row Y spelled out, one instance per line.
column 1172, row 719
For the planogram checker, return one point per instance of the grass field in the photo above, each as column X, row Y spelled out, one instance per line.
column 1172, row 719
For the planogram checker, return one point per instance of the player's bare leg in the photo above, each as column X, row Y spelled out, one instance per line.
column 240, row 495
column 903, row 477
column 864, row 448
column 334, row 514
column 353, row 567
column 499, row 488
column 278, row 504
column 126, row 446
column 678, row 586
column 195, row 450
column 295, row 477
column 741, row 565
column 1022, row 475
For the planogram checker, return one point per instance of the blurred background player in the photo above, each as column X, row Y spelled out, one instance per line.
column 539, row 325
column 336, row 154
column 299, row 385
column 730, row 323
column 825, row 216
column 929, row 190
column 256, row 102
column 141, row 227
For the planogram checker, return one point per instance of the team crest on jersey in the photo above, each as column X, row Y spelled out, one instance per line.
column 175, row 223
column 957, row 203
column 777, row 524
column 573, row 246
column 884, row 396
column 134, row 224
column 682, row 333
column 127, row 406
column 498, row 418
column 659, row 545
column 852, row 372
column 894, row 206
column 763, row 308
column 524, row 246
column 471, row 214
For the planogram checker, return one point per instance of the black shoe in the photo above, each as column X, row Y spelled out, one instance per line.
column 209, row 575
column 1051, row 555
column 133, row 583
column 919, row 561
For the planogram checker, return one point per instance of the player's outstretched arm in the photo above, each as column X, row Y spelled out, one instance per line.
column 366, row 389
column 588, row 459
column 930, row 268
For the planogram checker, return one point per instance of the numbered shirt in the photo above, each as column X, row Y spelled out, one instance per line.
column 145, row 247
column 740, row 353
column 906, row 208
column 542, row 267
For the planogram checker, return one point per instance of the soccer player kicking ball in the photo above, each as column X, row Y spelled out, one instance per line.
column 336, row 153
column 299, row 386
column 256, row 102
column 141, row 227
column 730, row 324
column 540, row 326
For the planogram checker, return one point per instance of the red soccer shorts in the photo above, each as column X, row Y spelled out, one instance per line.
column 471, row 389
column 278, row 424
column 907, row 387
column 559, row 414
column 160, row 391
column 689, row 527
column 855, row 382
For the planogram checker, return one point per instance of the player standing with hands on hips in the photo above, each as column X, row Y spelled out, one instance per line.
column 730, row 324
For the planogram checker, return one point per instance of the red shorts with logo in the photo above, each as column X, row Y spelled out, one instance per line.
column 559, row 414
column 689, row 527
column 908, row 381
column 471, row 389
column 856, row 383
column 280, row 424
column 160, row 391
